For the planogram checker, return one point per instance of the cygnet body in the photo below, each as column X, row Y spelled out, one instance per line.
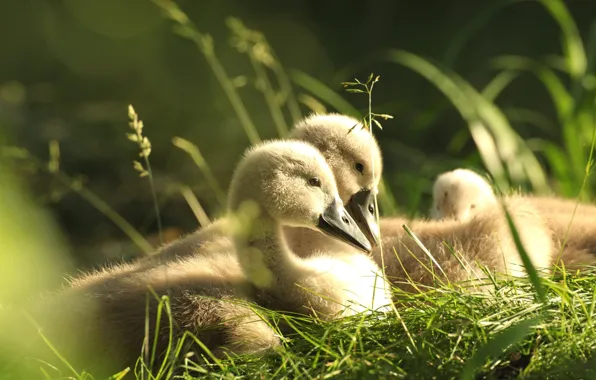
column 473, row 224
column 458, row 190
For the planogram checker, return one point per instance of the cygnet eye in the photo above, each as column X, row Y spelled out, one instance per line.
column 315, row 182
column 359, row 167
column 473, row 206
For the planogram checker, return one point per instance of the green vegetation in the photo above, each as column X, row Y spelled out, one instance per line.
column 531, row 329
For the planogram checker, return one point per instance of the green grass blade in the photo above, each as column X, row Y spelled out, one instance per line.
column 423, row 248
column 457, row 97
column 497, row 142
column 561, row 98
column 195, row 153
column 497, row 345
column 530, row 269
column 573, row 47
column 521, row 162
column 494, row 88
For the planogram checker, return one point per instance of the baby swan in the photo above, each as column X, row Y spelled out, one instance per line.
column 475, row 227
column 293, row 185
column 277, row 183
column 462, row 194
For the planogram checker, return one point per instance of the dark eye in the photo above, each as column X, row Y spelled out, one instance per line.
column 473, row 206
column 314, row 181
column 371, row 208
column 359, row 167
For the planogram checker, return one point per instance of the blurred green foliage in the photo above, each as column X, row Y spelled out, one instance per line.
column 459, row 78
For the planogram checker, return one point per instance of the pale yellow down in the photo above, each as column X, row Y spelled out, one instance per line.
column 460, row 194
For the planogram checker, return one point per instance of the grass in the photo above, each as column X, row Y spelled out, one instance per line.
column 533, row 328
column 454, row 335
column 442, row 333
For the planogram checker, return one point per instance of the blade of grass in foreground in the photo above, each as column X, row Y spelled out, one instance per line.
column 423, row 248
column 532, row 273
column 497, row 345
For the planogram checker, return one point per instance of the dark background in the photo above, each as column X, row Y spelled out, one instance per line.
column 68, row 70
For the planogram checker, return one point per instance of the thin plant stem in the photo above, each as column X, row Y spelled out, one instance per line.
column 233, row 97
column 262, row 57
column 269, row 95
column 284, row 82
column 204, row 43
column 367, row 88
column 377, row 216
column 195, row 153
column 51, row 346
column 195, row 206
column 376, row 202
column 155, row 203
column 145, row 150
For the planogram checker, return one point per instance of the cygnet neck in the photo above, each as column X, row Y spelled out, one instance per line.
column 303, row 242
column 264, row 254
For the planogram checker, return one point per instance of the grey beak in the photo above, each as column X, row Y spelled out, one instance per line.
column 362, row 208
column 336, row 222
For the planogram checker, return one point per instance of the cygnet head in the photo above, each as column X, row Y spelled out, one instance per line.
column 460, row 194
column 293, row 185
column 352, row 153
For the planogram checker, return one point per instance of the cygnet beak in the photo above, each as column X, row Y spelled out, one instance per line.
column 337, row 222
column 362, row 208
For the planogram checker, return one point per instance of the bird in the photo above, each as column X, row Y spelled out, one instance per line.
column 458, row 251
column 469, row 231
column 462, row 194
